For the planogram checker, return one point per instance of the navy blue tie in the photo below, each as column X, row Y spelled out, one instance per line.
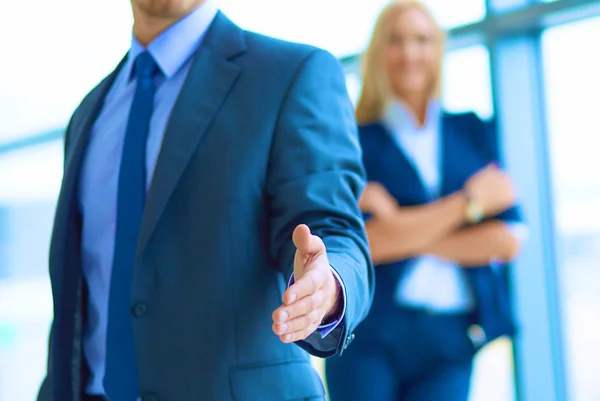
column 121, row 379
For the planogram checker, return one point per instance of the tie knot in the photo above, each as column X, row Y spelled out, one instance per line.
column 145, row 66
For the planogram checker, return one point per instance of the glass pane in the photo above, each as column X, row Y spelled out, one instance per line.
column 572, row 87
column 467, row 85
column 353, row 82
column 450, row 16
column 342, row 28
column 77, row 49
column 502, row 6
column 29, row 184
column 54, row 57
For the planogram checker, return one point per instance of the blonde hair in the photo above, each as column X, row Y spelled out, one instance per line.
column 376, row 93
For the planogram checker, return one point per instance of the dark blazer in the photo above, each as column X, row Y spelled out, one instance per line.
column 468, row 144
column 262, row 138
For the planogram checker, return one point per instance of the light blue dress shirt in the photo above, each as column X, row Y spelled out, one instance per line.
column 431, row 283
column 172, row 51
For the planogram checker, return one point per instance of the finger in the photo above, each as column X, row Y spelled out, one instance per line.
column 301, row 307
column 300, row 334
column 375, row 185
column 307, row 285
column 363, row 202
column 305, row 242
column 299, row 323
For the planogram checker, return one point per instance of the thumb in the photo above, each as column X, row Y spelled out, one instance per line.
column 305, row 242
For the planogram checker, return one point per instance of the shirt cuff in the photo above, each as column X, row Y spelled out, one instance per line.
column 519, row 230
column 338, row 315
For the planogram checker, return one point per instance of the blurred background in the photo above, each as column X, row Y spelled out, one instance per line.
column 534, row 65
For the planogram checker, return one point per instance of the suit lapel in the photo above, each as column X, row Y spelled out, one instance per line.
column 207, row 85
column 459, row 155
column 410, row 187
column 78, row 132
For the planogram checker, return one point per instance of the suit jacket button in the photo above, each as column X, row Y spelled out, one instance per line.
column 139, row 310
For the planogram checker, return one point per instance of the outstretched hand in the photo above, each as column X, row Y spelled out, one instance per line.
column 314, row 293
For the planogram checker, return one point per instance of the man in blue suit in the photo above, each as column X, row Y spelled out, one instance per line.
column 182, row 262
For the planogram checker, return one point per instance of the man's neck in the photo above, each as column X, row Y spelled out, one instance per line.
column 148, row 27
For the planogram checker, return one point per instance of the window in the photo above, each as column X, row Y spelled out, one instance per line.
column 352, row 21
column 466, row 81
column 353, row 82
column 29, row 186
column 503, row 6
column 341, row 27
column 56, row 55
column 572, row 84
column 449, row 15
column 47, row 75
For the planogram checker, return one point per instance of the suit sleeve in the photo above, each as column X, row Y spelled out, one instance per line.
column 45, row 391
column 513, row 214
column 315, row 178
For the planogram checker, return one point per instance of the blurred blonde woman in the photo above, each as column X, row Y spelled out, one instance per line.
column 441, row 221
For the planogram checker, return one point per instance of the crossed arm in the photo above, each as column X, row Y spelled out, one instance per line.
column 437, row 229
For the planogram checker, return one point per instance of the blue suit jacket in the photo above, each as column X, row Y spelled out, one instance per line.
column 262, row 138
column 468, row 144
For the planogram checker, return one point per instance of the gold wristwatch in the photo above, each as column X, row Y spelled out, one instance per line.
column 473, row 211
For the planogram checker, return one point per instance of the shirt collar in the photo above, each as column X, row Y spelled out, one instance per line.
column 399, row 118
column 174, row 47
